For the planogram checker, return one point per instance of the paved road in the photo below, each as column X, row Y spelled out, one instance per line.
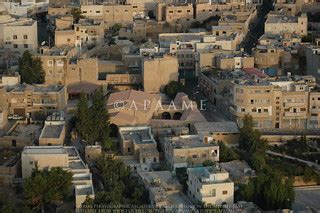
column 256, row 29
column 306, row 197
column 210, row 111
column 309, row 163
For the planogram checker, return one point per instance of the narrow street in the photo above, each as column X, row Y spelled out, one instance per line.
column 256, row 29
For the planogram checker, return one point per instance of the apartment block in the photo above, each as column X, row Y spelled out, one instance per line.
column 109, row 13
column 25, row 100
column 20, row 35
column 54, row 63
column 66, row 157
column 234, row 61
column 210, row 186
column 279, row 24
column 188, row 151
column 282, row 103
column 139, row 142
column 179, row 14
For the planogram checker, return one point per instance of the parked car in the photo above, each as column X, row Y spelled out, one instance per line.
column 15, row 117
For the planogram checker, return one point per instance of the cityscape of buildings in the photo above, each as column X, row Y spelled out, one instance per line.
column 174, row 105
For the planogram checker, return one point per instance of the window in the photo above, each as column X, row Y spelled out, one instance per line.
column 265, row 110
column 225, row 192
column 15, row 37
column 243, row 110
column 144, row 160
column 25, row 36
column 129, row 149
column 98, row 11
column 50, row 63
column 68, row 40
column 154, row 159
column 25, row 46
column 194, row 156
column 15, row 46
column 31, row 162
column 170, row 11
column 204, row 155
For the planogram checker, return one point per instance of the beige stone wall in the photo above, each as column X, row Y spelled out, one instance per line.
column 59, row 11
column 64, row 37
column 227, row 138
column 64, row 23
column 163, row 69
column 53, row 141
column 179, row 14
column 122, row 14
column 21, row 35
column 42, row 161
column 214, row 193
column 55, row 68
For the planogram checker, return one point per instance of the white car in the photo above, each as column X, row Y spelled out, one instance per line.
column 15, row 117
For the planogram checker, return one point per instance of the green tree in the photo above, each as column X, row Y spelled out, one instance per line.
column 76, row 14
column 120, row 186
column 269, row 190
column 173, row 88
column 44, row 187
column 83, row 122
column 208, row 163
column 226, row 154
column 30, row 69
column 93, row 123
column 251, row 143
column 100, row 117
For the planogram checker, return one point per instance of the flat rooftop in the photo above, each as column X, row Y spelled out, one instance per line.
column 225, row 127
column 35, row 88
column 188, row 141
column 26, row 131
column 44, row 150
column 281, row 19
column 52, row 131
column 141, row 136
column 84, row 190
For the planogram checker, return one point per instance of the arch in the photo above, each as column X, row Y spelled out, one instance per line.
column 166, row 116
column 113, row 130
column 177, row 116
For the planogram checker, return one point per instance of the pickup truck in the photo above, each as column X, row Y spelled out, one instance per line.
column 15, row 117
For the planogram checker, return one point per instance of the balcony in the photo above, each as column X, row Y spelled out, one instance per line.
column 295, row 104
column 295, row 114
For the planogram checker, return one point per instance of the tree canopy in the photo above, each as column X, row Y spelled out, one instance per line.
column 226, row 153
column 93, row 122
column 270, row 190
column 252, row 145
column 44, row 187
column 173, row 88
column 30, row 69
column 76, row 14
column 120, row 186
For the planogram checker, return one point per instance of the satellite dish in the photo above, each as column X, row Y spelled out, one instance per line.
column 43, row 43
